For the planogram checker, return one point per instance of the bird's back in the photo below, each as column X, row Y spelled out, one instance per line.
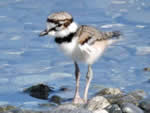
column 90, row 34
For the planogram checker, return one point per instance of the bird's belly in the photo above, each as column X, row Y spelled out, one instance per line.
column 92, row 52
column 83, row 53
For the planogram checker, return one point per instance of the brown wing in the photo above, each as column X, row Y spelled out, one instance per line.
column 90, row 34
column 87, row 33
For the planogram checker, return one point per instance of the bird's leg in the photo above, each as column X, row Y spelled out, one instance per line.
column 89, row 77
column 77, row 99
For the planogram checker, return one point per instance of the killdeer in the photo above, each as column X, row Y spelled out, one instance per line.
column 81, row 42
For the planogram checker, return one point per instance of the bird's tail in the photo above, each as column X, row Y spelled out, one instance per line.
column 113, row 34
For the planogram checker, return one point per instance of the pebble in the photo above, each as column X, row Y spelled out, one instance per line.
column 100, row 111
column 56, row 99
column 108, row 100
column 131, row 108
column 110, row 91
column 114, row 108
column 98, row 102
column 69, row 108
column 145, row 105
column 138, row 94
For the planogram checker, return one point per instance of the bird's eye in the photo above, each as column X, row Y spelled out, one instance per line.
column 58, row 25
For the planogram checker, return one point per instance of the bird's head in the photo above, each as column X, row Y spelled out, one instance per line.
column 59, row 24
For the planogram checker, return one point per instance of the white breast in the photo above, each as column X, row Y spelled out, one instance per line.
column 85, row 53
column 69, row 48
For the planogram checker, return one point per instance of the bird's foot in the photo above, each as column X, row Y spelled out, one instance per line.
column 78, row 100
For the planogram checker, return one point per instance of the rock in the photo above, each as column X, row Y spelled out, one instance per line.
column 47, row 105
column 25, row 111
column 96, row 103
column 127, row 99
column 145, row 105
column 40, row 91
column 63, row 88
column 69, row 108
column 6, row 108
column 138, row 94
column 100, row 111
column 113, row 99
column 56, row 99
column 146, row 69
column 110, row 91
column 133, row 97
column 114, row 108
column 130, row 108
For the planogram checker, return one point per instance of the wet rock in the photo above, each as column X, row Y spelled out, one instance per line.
column 56, row 99
column 100, row 111
column 133, row 97
column 146, row 69
column 25, row 111
column 6, row 108
column 128, row 99
column 69, row 108
column 64, row 89
column 110, row 91
column 131, row 108
column 40, row 91
column 47, row 105
column 114, row 99
column 138, row 94
column 96, row 103
column 114, row 108
column 145, row 105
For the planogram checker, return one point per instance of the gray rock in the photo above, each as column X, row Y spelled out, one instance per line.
column 128, row 99
column 138, row 94
column 131, row 108
column 114, row 109
column 100, row 111
column 133, row 97
column 98, row 102
column 110, row 91
column 145, row 105
column 113, row 99
column 69, row 108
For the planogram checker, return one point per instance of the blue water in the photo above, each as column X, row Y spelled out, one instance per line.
column 27, row 59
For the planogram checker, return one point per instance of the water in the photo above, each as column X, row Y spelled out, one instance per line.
column 26, row 59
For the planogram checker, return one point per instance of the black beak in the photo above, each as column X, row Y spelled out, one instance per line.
column 43, row 33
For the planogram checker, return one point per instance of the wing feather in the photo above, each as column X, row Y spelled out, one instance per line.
column 88, row 34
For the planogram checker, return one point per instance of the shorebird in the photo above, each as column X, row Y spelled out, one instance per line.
column 80, row 42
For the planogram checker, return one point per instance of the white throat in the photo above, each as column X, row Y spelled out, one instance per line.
column 65, row 32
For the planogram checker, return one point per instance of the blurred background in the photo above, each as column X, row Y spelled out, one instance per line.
column 27, row 59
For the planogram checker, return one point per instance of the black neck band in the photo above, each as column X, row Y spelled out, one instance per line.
column 68, row 38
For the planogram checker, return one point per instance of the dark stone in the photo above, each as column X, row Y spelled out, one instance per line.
column 63, row 88
column 145, row 105
column 40, row 91
column 114, row 108
column 56, row 99
column 130, row 108
column 147, row 69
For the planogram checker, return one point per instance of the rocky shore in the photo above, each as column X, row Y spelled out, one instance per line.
column 108, row 100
